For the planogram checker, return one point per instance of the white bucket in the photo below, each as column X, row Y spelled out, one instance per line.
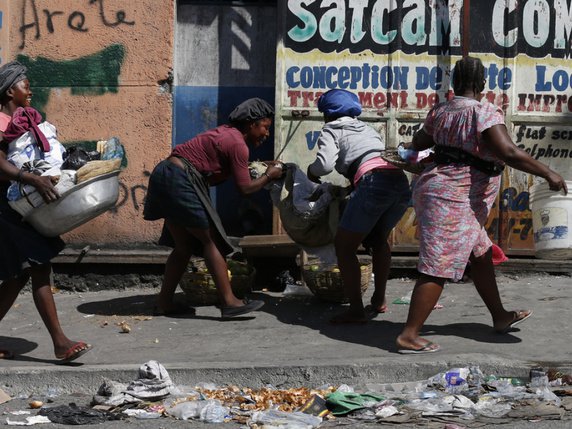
column 551, row 221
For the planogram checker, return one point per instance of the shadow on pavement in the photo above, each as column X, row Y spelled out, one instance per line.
column 17, row 345
column 130, row 305
column 20, row 347
column 315, row 314
column 310, row 313
column 143, row 305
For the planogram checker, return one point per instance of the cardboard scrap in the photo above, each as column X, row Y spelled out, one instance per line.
column 4, row 397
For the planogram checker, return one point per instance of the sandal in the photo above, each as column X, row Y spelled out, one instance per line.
column 78, row 349
column 376, row 309
column 249, row 306
column 519, row 316
column 429, row 347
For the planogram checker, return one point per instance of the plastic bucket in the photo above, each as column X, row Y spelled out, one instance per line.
column 551, row 222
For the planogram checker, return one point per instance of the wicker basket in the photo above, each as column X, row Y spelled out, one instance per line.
column 199, row 286
column 326, row 281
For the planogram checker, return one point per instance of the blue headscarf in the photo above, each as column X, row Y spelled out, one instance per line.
column 339, row 102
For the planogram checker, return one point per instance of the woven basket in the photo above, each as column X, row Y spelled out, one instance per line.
column 200, row 289
column 392, row 156
column 326, row 281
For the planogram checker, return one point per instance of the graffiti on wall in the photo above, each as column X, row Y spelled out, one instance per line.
column 129, row 194
column 132, row 193
column 91, row 75
column 94, row 74
column 46, row 20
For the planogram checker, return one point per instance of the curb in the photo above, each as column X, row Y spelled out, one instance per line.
column 58, row 380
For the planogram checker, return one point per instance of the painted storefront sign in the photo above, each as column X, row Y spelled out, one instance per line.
column 399, row 56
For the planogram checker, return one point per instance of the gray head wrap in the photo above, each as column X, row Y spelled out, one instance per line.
column 251, row 110
column 11, row 73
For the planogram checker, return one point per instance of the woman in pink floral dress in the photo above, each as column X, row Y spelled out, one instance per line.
column 453, row 198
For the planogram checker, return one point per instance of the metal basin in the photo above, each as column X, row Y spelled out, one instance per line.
column 75, row 207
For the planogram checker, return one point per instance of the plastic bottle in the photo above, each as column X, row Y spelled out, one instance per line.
column 345, row 388
column 408, row 155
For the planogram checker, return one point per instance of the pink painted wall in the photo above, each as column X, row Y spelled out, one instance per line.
column 106, row 66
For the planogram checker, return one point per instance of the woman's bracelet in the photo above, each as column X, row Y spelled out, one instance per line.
column 267, row 175
column 19, row 176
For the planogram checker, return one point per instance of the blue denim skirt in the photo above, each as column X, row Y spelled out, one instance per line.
column 376, row 204
column 172, row 196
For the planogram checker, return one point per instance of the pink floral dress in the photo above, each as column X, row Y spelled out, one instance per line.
column 452, row 202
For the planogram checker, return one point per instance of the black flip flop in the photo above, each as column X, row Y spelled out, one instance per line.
column 248, row 307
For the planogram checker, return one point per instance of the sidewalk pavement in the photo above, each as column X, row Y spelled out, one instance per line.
column 289, row 342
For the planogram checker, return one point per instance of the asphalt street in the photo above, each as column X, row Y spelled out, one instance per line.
column 289, row 343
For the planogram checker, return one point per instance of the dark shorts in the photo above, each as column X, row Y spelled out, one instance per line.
column 21, row 245
column 172, row 196
column 376, row 205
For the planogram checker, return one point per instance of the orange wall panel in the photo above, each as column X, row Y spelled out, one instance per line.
column 100, row 69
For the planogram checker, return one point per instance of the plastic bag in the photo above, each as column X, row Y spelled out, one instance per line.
column 282, row 419
column 76, row 157
column 112, row 149
column 25, row 149
column 73, row 415
column 210, row 411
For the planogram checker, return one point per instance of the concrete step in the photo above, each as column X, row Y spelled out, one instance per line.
column 277, row 248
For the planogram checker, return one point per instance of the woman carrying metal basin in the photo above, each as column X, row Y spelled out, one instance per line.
column 24, row 253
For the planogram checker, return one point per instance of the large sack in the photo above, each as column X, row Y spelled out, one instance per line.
column 309, row 212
